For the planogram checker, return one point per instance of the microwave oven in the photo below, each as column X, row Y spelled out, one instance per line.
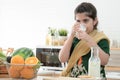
column 48, row 56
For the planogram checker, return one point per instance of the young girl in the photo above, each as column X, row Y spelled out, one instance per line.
column 76, row 50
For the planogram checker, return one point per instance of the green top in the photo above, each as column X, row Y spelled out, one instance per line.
column 83, row 68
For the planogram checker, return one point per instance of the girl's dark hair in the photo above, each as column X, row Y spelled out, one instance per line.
column 89, row 9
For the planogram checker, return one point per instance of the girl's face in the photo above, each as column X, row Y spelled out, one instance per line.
column 88, row 22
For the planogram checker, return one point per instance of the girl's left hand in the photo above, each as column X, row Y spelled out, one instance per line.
column 84, row 36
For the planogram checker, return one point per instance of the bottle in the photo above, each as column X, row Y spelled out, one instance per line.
column 94, row 63
column 48, row 37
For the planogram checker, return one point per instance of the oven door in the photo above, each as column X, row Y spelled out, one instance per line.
column 48, row 57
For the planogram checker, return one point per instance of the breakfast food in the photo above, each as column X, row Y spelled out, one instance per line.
column 26, row 69
column 17, row 59
column 32, row 60
column 13, row 72
column 27, row 73
column 23, row 64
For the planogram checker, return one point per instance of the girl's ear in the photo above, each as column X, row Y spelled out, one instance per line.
column 95, row 21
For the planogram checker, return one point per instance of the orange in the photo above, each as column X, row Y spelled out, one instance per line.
column 27, row 73
column 17, row 59
column 18, row 62
column 13, row 73
column 31, row 60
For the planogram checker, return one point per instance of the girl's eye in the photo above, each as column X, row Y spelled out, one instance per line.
column 77, row 20
column 85, row 20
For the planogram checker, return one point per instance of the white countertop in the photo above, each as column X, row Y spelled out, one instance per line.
column 57, row 70
column 114, row 75
column 51, row 71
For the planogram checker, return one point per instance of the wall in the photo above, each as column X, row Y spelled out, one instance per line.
column 25, row 22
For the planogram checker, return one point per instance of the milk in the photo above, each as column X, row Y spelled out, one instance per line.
column 94, row 63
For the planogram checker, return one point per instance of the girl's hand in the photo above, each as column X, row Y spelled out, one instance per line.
column 84, row 36
column 75, row 28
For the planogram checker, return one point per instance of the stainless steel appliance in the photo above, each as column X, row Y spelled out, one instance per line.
column 48, row 55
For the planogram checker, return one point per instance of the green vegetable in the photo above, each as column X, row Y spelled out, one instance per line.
column 24, row 52
column 2, row 56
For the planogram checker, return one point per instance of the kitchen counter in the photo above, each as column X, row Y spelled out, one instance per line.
column 6, row 77
column 113, row 73
column 49, row 78
column 58, row 78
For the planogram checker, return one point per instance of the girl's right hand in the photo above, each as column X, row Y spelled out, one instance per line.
column 75, row 28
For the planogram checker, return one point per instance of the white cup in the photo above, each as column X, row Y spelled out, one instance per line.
column 82, row 27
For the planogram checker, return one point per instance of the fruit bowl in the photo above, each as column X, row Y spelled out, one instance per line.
column 22, row 71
